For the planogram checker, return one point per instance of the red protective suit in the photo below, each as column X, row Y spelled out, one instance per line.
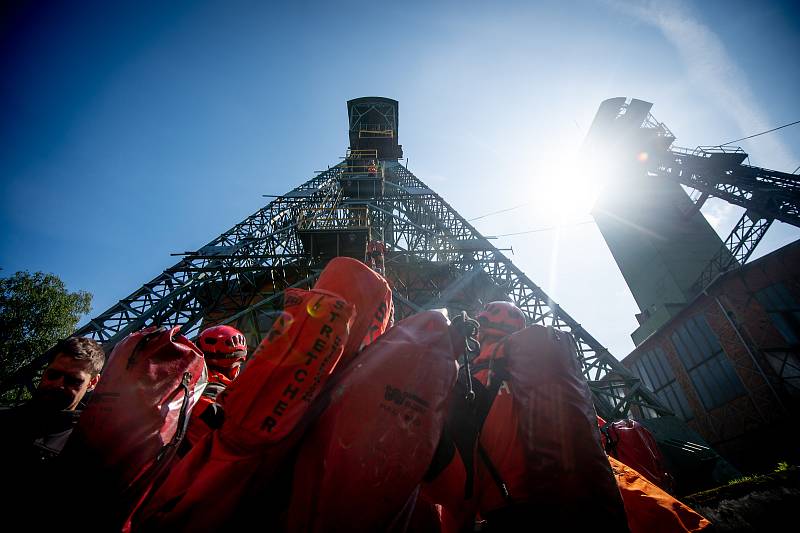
column 205, row 417
column 499, row 435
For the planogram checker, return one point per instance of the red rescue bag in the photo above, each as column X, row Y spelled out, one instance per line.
column 631, row 443
column 362, row 460
column 567, row 479
column 135, row 420
column 263, row 407
column 368, row 291
column 650, row 509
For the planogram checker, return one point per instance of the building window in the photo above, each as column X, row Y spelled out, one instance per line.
column 709, row 368
column 656, row 373
column 783, row 310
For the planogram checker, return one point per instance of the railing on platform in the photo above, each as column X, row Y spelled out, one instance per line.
column 372, row 131
column 349, row 218
column 708, row 151
column 362, row 154
column 372, row 170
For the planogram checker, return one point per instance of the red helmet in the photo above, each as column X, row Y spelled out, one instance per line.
column 499, row 319
column 225, row 345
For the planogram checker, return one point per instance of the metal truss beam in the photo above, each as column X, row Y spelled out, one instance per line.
column 719, row 173
column 265, row 242
column 737, row 248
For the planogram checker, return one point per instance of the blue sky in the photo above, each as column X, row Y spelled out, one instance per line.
column 134, row 130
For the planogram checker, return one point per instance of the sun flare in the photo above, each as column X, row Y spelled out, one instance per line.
column 565, row 187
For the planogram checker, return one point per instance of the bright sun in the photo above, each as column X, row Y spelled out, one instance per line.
column 563, row 188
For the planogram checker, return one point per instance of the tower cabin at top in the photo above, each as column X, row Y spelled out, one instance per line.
column 373, row 126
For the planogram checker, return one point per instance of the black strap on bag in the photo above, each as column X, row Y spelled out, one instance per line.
column 499, row 375
column 496, row 477
column 470, row 403
column 460, row 429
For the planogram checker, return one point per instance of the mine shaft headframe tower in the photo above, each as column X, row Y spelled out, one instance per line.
column 666, row 250
column 433, row 259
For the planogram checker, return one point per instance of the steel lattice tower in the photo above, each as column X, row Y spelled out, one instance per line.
column 433, row 257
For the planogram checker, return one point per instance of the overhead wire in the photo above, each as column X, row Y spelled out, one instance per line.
column 548, row 228
column 762, row 133
column 537, row 230
column 497, row 212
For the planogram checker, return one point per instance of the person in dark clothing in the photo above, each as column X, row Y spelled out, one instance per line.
column 74, row 371
column 35, row 433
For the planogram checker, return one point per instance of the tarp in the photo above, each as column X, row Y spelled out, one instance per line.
column 650, row 509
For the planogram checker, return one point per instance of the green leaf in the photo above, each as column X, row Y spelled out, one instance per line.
column 36, row 310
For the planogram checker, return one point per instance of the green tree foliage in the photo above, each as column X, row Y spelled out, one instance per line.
column 36, row 310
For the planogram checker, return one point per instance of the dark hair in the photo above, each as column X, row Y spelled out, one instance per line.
column 82, row 349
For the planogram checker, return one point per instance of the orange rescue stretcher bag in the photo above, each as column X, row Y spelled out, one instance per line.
column 368, row 291
column 650, row 509
column 360, row 465
column 567, row 481
column 135, row 420
column 264, row 408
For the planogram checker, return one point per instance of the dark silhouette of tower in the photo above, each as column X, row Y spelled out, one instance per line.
column 666, row 250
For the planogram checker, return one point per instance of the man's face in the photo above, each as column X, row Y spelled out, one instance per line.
column 64, row 383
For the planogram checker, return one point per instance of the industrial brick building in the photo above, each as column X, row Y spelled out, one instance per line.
column 728, row 364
